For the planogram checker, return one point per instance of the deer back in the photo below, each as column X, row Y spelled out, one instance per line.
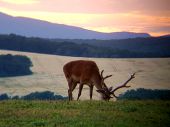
column 82, row 71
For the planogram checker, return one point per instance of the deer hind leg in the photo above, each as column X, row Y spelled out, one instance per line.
column 80, row 89
column 91, row 92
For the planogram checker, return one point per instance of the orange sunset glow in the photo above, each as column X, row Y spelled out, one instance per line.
column 150, row 16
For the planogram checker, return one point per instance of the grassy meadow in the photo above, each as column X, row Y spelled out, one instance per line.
column 20, row 113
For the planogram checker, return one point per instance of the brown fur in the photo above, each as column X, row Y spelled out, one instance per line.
column 83, row 72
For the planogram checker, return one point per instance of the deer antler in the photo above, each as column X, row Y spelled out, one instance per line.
column 123, row 85
column 105, row 76
column 102, row 73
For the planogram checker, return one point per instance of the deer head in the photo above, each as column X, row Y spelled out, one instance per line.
column 109, row 93
column 104, row 91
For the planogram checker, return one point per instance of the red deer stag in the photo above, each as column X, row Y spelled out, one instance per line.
column 84, row 72
column 87, row 72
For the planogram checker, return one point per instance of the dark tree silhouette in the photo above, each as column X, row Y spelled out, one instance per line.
column 14, row 65
column 144, row 94
column 4, row 97
column 125, row 48
column 46, row 95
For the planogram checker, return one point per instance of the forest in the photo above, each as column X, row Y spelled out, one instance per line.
column 145, row 94
column 138, row 94
column 127, row 48
column 14, row 65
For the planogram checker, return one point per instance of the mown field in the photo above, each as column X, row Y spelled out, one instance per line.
column 19, row 113
column 48, row 74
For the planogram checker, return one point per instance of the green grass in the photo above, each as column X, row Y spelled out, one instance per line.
column 84, row 113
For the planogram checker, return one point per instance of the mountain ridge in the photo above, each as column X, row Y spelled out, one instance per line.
column 39, row 28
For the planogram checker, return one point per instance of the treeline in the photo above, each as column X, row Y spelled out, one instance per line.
column 46, row 95
column 150, row 44
column 128, row 48
column 139, row 94
column 14, row 65
column 145, row 94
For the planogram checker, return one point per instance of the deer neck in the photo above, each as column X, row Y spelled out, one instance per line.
column 97, row 81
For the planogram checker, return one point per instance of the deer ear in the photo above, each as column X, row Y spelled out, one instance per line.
column 105, row 93
column 101, row 91
column 110, row 89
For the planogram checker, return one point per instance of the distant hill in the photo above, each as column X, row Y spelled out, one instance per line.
column 38, row 28
column 125, row 48
column 152, row 44
column 168, row 35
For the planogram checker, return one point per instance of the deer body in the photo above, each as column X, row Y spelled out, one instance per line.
column 83, row 72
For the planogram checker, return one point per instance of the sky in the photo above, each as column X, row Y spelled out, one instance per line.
column 144, row 16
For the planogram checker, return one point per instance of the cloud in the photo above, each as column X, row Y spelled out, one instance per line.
column 20, row 1
column 158, row 30
column 100, row 15
column 152, row 7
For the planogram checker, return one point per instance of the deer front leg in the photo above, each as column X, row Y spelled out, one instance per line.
column 80, row 89
column 91, row 92
column 72, row 86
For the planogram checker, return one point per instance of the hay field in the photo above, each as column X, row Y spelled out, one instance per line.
column 48, row 74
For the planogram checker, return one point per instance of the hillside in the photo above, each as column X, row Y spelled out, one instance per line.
column 38, row 28
column 48, row 74
column 126, row 48
column 84, row 114
column 141, row 45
